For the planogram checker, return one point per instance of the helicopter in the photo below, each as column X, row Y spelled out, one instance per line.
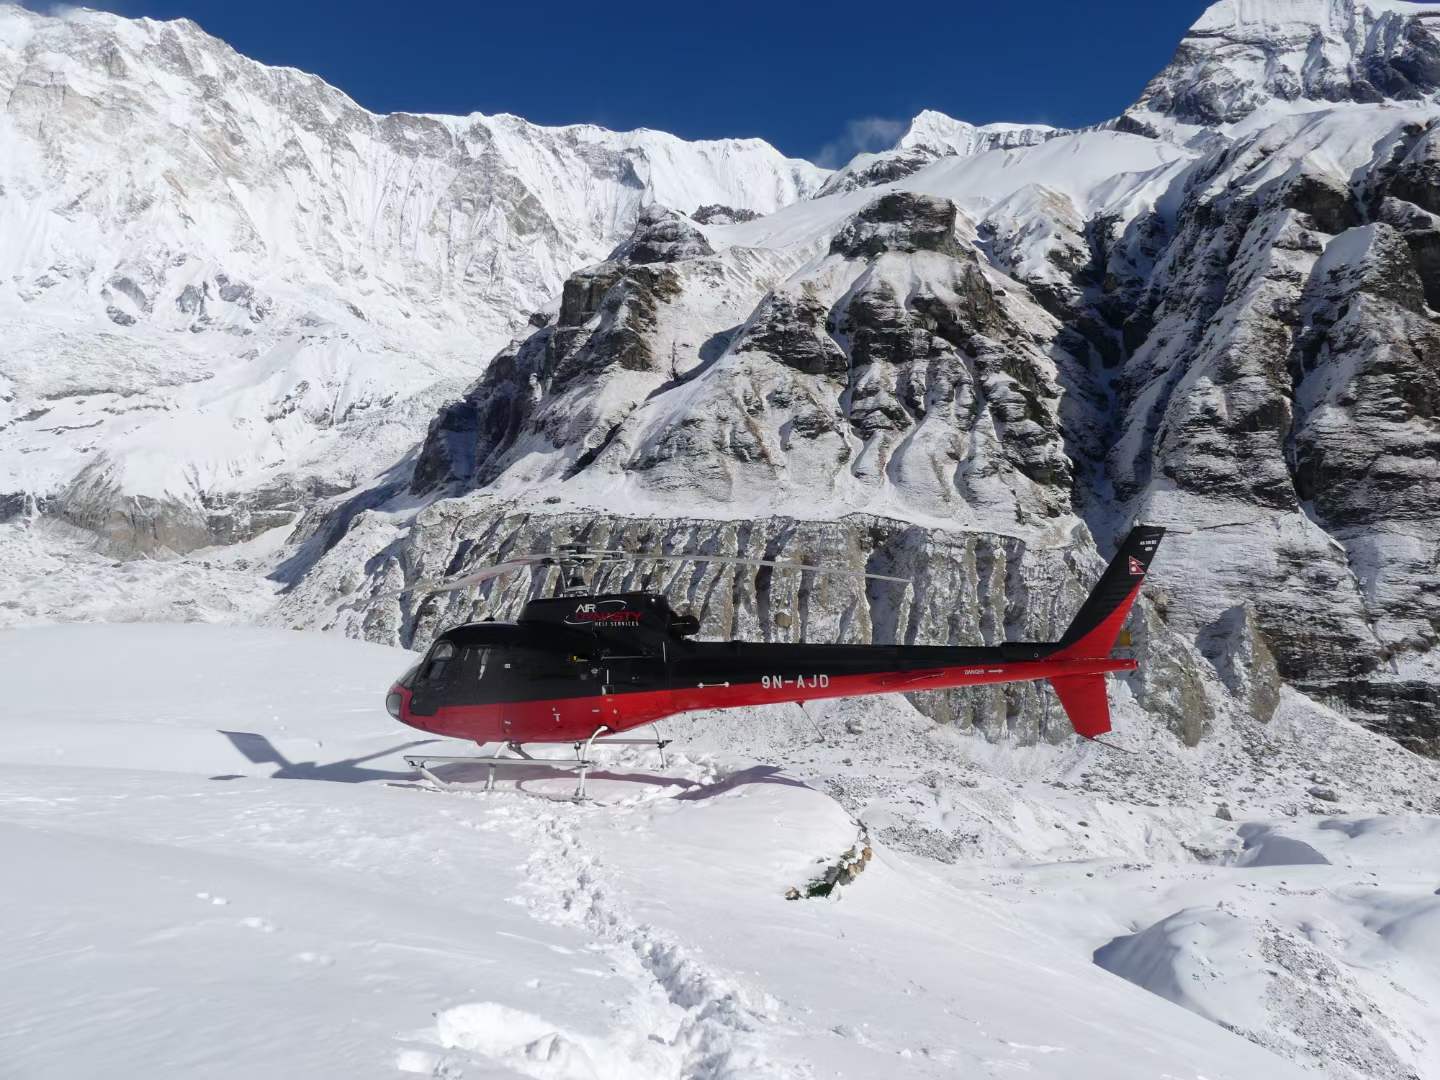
column 583, row 668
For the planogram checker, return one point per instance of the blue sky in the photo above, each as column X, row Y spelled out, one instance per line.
column 817, row 80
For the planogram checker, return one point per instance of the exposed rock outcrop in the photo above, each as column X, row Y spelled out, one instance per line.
column 1278, row 394
column 662, row 236
column 715, row 214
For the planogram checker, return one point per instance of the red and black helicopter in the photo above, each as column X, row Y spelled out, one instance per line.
column 575, row 667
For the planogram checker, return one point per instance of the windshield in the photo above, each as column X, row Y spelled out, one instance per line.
column 435, row 665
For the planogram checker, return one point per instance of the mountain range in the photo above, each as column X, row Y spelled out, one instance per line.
column 241, row 310
column 268, row 358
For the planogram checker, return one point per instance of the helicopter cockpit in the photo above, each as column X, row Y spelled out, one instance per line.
column 540, row 659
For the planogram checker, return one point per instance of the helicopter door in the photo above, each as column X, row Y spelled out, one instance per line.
column 507, row 684
column 629, row 671
column 542, row 688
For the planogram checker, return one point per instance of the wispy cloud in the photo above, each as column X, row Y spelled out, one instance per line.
column 869, row 133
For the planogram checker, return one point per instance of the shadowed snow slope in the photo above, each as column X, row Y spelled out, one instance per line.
column 220, row 867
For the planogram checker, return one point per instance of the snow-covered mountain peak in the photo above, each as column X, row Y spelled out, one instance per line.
column 943, row 135
column 1266, row 17
column 1292, row 55
column 932, row 135
column 217, row 272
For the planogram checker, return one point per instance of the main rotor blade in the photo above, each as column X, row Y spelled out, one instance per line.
column 479, row 577
column 604, row 555
column 736, row 560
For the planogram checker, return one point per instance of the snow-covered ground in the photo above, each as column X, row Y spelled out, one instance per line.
column 55, row 574
column 217, row 865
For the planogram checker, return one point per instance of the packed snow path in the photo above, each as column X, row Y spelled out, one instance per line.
column 217, row 865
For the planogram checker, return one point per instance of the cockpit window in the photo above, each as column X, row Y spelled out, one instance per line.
column 438, row 662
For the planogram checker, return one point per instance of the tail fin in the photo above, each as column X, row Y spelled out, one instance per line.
column 1085, row 702
column 1093, row 633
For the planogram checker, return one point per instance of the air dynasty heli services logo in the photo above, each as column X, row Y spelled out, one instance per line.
column 604, row 613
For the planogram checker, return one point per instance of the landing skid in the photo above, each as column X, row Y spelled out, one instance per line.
column 582, row 762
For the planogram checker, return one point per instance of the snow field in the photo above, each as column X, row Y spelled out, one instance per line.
column 284, row 900
column 58, row 576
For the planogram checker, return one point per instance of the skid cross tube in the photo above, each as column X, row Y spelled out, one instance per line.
column 583, row 762
column 421, row 763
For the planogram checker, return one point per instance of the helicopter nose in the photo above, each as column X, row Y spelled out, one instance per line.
column 393, row 702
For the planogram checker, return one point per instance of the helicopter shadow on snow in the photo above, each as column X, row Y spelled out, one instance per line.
column 259, row 750
column 755, row 774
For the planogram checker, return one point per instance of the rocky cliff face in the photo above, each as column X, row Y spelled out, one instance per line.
column 228, row 289
column 890, row 367
column 1277, row 393
column 961, row 370
column 894, row 405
